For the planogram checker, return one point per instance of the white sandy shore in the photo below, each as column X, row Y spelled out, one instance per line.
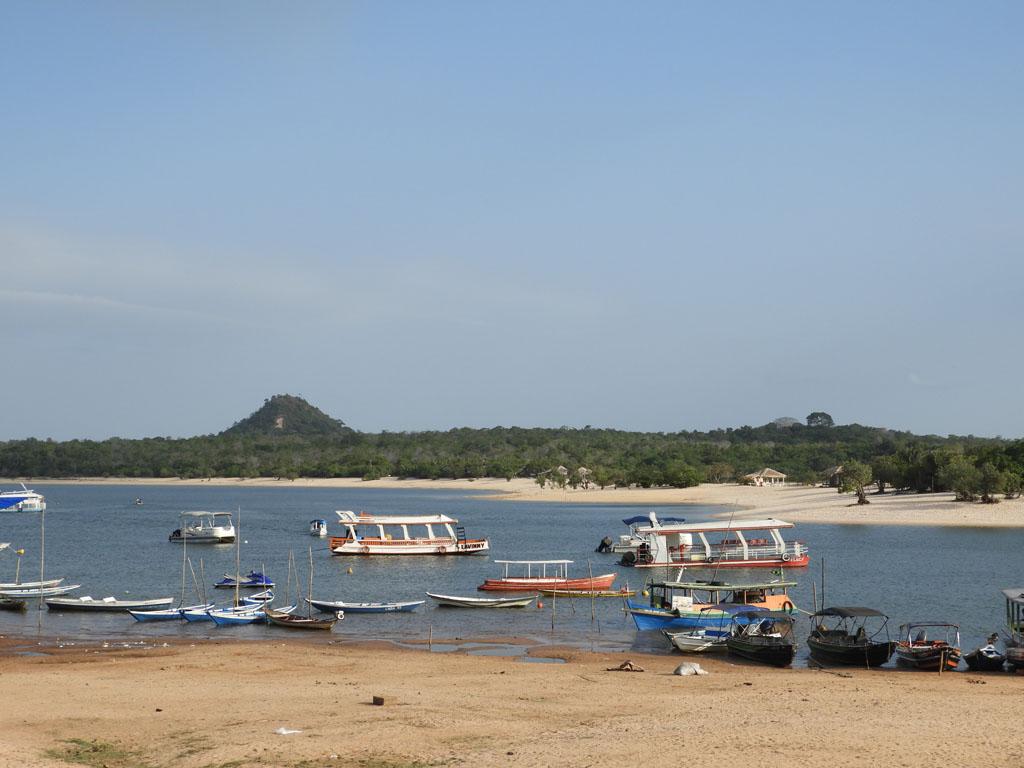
column 795, row 503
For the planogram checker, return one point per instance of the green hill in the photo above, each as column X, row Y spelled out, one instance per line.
column 287, row 415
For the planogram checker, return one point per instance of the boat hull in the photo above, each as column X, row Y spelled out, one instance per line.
column 325, row 606
column 345, row 546
column 697, row 641
column 290, row 621
column 774, row 562
column 930, row 657
column 105, row 606
column 849, row 654
column 454, row 601
column 761, row 650
column 596, row 584
column 982, row 662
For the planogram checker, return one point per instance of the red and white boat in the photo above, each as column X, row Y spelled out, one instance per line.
column 544, row 574
column 719, row 544
column 406, row 535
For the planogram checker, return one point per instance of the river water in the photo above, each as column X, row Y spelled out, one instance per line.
column 95, row 536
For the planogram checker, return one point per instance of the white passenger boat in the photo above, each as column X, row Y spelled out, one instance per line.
column 456, row 601
column 24, row 500
column 717, row 544
column 205, row 528
column 403, row 535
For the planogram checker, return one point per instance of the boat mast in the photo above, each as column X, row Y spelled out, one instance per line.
column 238, row 553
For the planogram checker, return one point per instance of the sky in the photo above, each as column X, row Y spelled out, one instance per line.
column 665, row 216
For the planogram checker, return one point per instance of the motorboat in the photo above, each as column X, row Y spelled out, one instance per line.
column 703, row 639
column 630, row 542
column 327, row 606
column 403, row 535
column 762, row 636
column 698, row 604
column 543, row 574
column 318, row 527
column 916, row 649
column 850, row 635
column 987, row 658
column 204, row 528
column 716, row 544
column 25, row 500
column 454, row 601
column 253, row 579
column 106, row 604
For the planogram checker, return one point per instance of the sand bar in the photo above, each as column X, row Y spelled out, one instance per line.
column 795, row 503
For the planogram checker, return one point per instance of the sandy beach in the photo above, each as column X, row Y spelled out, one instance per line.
column 795, row 503
column 221, row 704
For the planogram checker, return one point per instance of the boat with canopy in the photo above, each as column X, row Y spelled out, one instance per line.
column 403, row 535
column 696, row 604
column 25, row 500
column 916, row 649
column 205, row 528
column 762, row 636
column 1014, row 638
column 850, row 635
column 544, row 574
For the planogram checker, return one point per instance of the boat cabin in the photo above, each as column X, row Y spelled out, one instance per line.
column 1015, row 614
column 684, row 596
column 402, row 535
column 205, row 528
column 719, row 544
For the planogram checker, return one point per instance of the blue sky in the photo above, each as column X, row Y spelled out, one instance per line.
column 426, row 215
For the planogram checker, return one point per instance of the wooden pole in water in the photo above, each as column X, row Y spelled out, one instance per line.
column 202, row 579
column 309, row 594
column 823, row 583
column 430, row 637
column 814, row 596
column 42, row 563
column 554, row 597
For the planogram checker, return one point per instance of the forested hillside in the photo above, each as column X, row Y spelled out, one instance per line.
column 289, row 438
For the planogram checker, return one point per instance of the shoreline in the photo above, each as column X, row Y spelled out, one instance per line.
column 138, row 707
column 794, row 503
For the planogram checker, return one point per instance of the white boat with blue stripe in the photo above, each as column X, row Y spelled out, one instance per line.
column 25, row 500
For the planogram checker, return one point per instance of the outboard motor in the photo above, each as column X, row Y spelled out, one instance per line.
column 605, row 545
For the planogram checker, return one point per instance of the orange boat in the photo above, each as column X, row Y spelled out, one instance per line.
column 537, row 577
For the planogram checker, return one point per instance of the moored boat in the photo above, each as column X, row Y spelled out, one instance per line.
column 588, row 593
column 11, row 604
column 695, row 604
column 252, row 580
column 544, row 574
column 167, row 614
column 843, row 635
column 204, row 528
column 30, row 584
column 25, row 500
column 716, row 544
column 403, row 535
column 36, row 592
column 630, row 542
column 987, row 658
column 455, row 601
column 290, row 620
column 328, row 606
column 915, row 648
column 762, row 636
column 318, row 527
column 106, row 604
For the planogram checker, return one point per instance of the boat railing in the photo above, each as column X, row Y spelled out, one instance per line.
column 790, row 550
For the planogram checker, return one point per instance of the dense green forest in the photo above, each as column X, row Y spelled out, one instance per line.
column 288, row 438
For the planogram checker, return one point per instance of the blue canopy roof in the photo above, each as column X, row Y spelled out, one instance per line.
column 646, row 519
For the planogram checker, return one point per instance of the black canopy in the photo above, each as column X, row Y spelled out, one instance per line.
column 849, row 612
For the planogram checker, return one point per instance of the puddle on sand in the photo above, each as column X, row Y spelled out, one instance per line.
column 30, row 653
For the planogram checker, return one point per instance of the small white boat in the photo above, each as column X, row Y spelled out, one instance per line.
column 39, row 591
column 698, row 641
column 205, row 528
column 327, row 606
column 30, row 584
column 455, row 601
column 24, row 500
column 317, row 527
column 91, row 604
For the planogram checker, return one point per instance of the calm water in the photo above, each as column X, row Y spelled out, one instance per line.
column 97, row 537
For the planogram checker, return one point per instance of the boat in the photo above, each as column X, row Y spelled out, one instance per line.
column 730, row 545
column 403, row 535
column 252, row 614
column 698, row 604
column 29, row 584
column 1014, row 639
column 454, row 601
column 291, row 621
column 916, row 650
column 202, row 612
column 11, row 604
column 253, row 579
column 265, row 596
column 168, row 614
column 762, row 636
column 587, row 593
column 327, row 606
column 535, row 577
column 987, row 658
column 630, row 542
column 850, row 635
column 205, row 528
column 111, row 604
column 704, row 639
column 138, row 501
column 318, row 527
column 25, row 500
column 34, row 592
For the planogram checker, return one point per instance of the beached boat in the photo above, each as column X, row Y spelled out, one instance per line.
column 328, row 606
column 697, row 604
column 223, row 617
column 403, row 535
column 252, row 580
column 762, row 636
column 716, row 544
column 36, row 592
column 318, row 527
column 544, row 574
column 292, row 621
column 915, row 649
column 455, row 601
column 850, row 635
column 703, row 639
column 25, row 500
column 106, row 604
column 987, row 658
column 205, row 528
